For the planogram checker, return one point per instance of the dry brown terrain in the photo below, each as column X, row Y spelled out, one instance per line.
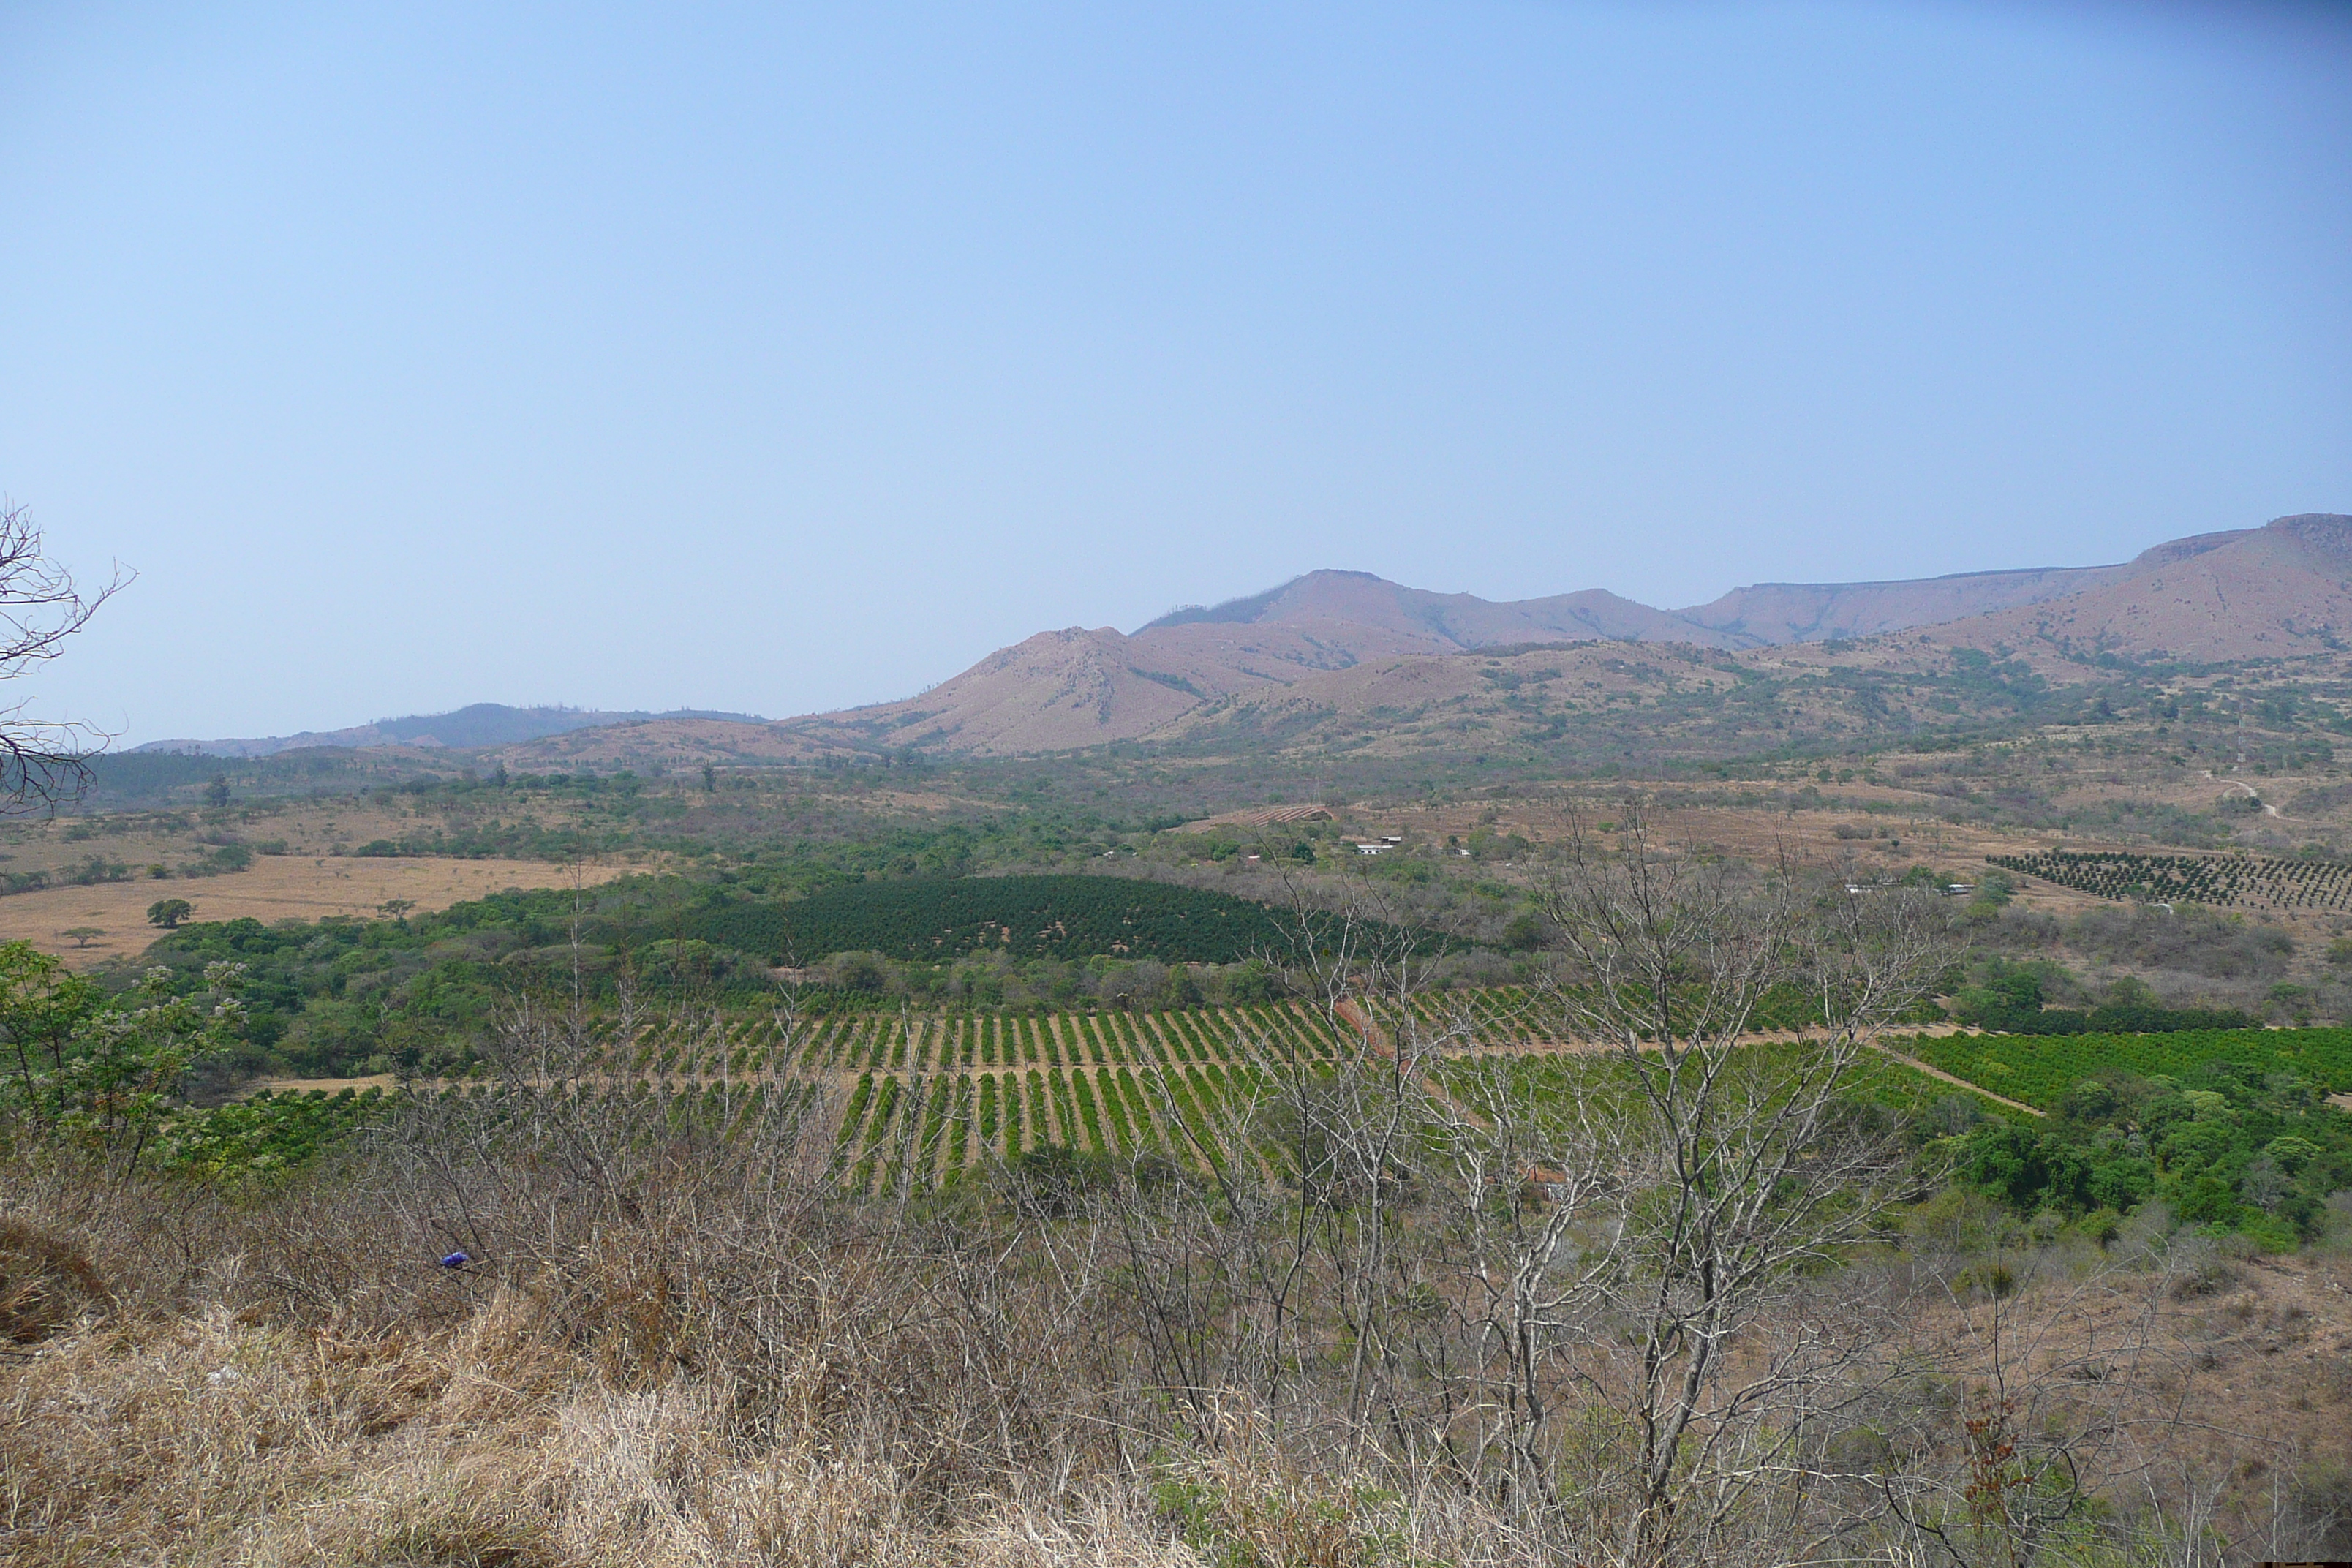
column 1347, row 660
column 1450, row 623
column 1347, row 643
column 1799, row 611
column 329, row 825
column 651, row 744
column 276, row 888
column 2262, row 594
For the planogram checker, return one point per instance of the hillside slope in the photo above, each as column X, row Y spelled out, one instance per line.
column 2281, row 590
column 1770, row 612
column 1082, row 687
column 470, row 728
column 1350, row 660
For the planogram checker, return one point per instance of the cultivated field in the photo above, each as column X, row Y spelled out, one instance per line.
column 916, row 1098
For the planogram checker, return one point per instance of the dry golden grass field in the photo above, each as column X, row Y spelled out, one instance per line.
column 276, row 888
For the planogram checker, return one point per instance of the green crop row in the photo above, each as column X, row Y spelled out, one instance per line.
column 2038, row 1068
column 930, row 1043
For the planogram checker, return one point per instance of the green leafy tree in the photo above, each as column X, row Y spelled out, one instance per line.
column 125, row 1066
column 1182, row 989
column 41, row 1005
column 83, row 935
column 1524, row 933
column 103, row 1074
column 169, row 912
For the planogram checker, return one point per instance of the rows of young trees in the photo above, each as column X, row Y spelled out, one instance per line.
column 2040, row 1071
column 2222, row 880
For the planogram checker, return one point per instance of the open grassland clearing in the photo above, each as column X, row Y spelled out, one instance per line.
column 1869, row 829
column 296, row 825
column 271, row 889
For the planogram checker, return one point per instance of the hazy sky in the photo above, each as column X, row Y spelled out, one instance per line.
column 780, row 358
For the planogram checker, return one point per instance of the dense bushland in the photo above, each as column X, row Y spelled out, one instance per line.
column 2226, row 1146
column 934, row 919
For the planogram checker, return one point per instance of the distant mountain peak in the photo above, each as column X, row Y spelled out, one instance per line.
column 1242, row 611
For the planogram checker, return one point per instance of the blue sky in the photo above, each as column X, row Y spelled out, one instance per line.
column 782, row 358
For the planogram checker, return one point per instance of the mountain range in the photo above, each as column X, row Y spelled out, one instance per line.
column 2212, row 598
column 1337, row 643
column 470, row 728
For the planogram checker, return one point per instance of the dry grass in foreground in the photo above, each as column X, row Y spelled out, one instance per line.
column 797, row 1384
column 742, row 1369
column 204, row 1439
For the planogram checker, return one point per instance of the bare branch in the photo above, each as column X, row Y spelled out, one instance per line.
column 42, row 762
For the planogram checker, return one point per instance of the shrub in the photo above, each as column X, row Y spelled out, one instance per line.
column 46, row 1282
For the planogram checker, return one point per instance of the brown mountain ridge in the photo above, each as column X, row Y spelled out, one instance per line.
column 1342, row 636
column 1340, row 655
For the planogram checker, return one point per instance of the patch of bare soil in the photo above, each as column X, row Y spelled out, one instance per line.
column 2245, row 1367
column 382, row 1080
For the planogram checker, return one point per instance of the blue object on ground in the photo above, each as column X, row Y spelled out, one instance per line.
column 456, row 1260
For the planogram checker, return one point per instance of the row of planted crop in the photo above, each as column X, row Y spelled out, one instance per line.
column 1516, row 1017
column 2308, row 870
column 2040, row 1068
column 2306, row 883
column 923, row 1130
column 1490, row 1015
column 892, row 1133
column 929, row 1043
column 716, row 1101
column 1510, row 1017
column 915, row 1133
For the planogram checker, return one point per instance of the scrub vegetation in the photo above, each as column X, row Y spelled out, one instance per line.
column 1378, row 1262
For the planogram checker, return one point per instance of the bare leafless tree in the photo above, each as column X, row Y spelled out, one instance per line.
column 41, row 760
column 1724, row 1168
